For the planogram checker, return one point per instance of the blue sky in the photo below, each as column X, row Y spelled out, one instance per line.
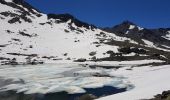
column 107, row 13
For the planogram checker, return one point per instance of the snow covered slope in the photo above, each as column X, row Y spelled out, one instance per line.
column 29, row 36
column 148, row 81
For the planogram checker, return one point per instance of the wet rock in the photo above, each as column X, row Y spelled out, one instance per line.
column 87, row 97
column 80, row 60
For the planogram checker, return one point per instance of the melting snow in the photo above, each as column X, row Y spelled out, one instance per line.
column 71, row 78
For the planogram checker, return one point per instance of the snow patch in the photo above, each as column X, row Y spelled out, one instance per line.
column 9, row 0
column 140, row 28
column 131, row 27
column 166, row 46
column 151, row 44
column 127, row 32
column 148, row 43
column 167, row 36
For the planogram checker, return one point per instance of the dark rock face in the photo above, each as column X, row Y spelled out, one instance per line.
column 66, row 17
column 80, row 60
column 16, row 17
column 127, row 50
column 19, row 1
column 123, row 27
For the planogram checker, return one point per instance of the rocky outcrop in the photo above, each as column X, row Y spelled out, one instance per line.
column 66, row 17
column 164, row 96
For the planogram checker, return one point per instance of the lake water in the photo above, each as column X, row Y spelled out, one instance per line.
column 98, row 92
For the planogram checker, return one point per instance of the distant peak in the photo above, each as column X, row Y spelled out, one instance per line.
column 127, row 23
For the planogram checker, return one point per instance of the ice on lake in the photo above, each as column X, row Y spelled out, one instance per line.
column 52, row 78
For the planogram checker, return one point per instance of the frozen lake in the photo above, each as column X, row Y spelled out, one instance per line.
column 64, row 81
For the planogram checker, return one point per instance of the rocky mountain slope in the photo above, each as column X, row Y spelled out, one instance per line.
column 28, row 36
column 160, row 37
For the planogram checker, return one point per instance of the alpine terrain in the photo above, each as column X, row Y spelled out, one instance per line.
column 101, row 56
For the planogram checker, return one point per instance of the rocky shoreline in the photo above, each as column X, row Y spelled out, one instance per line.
column 164, row 96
